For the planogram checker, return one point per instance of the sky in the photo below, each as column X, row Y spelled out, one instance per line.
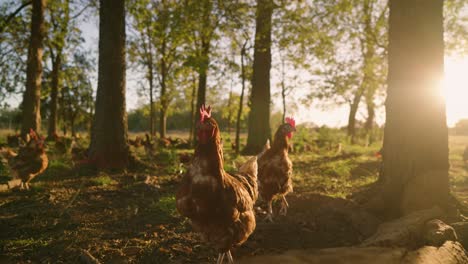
column 454, row 90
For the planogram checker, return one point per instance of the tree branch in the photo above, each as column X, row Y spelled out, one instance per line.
column 12, row 15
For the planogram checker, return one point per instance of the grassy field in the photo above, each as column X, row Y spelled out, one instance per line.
column 131, row 217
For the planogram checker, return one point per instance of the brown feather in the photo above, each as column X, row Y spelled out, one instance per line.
column 219, row 205
column 275, row 167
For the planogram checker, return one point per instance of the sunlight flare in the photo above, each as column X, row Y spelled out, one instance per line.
column 455, row 89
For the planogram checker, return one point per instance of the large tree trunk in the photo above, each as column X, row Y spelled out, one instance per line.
column 259, row 118
column 108, row 148
column 416, row 134
column 53, row 118
column 32, row 94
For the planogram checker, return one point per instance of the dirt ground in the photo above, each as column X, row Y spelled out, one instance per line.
column 131, row 217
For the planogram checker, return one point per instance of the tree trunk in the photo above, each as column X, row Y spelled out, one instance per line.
column 369, row 69
column 241, row 99
column 416, row 134
column 353, row 108
column 370, row 120
column 163, row 95
column 108, row 148
column 53, row 118
column 229, row 117
column 283, row 93
column 151, row 86
column 56, row 47
column 259, row 118
column 192, row 110
column 62, row 111
column 202, row 77
column 32, row 94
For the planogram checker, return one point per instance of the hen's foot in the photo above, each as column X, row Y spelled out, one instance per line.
column 284, row 207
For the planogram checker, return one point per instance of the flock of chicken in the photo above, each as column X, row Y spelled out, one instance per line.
column 221, row 205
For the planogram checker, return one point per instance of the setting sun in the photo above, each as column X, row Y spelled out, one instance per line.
column 455, row 89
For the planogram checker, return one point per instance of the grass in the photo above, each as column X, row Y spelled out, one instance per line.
column 103, row 180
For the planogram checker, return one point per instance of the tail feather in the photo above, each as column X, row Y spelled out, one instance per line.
column 8, row 153
column 250, row 167
column 265, row 148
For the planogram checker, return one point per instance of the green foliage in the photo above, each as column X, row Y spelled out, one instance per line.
column 167, row 204
column 103, row 180
column 14, row 41
column 57, row 167
column 353, row 64
column 327, row 136
column 169, row 159
column 10, row 118
column 456, row 26
column 5, row 175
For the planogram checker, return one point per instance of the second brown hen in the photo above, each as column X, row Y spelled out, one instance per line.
column 275, row 169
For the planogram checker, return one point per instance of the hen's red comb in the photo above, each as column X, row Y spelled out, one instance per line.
column 291, row 121
column 204, row 112
column 32, row 133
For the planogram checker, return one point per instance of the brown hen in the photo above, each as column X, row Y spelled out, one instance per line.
column 30, row 161
column 275, row 169
column 219, row 205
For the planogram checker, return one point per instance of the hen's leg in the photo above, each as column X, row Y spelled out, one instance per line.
column 284, row 206
column 229, row 257
column 269, row 216
column 27, row 186
column 220, row 258
column 22, row 185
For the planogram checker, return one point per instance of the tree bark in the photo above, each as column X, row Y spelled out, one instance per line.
column 163, row 95
column 241, row 99
column 416, row 134
column 108, row 148
column 353, row 108
column 370, row 120
column 56, row 47
column 192, row 110
column 32, row 94
column 369, row 69
column 151, row 86
column 202, row 77
column 259, row 118
column 53, row 118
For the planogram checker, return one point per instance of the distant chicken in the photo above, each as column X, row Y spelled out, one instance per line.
column 219, row 205
column 30, row 161
column 164, row 142
column 149, row 146
column 275, row 169
column 137, row 142
column 14, row 140
column 62, row 144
